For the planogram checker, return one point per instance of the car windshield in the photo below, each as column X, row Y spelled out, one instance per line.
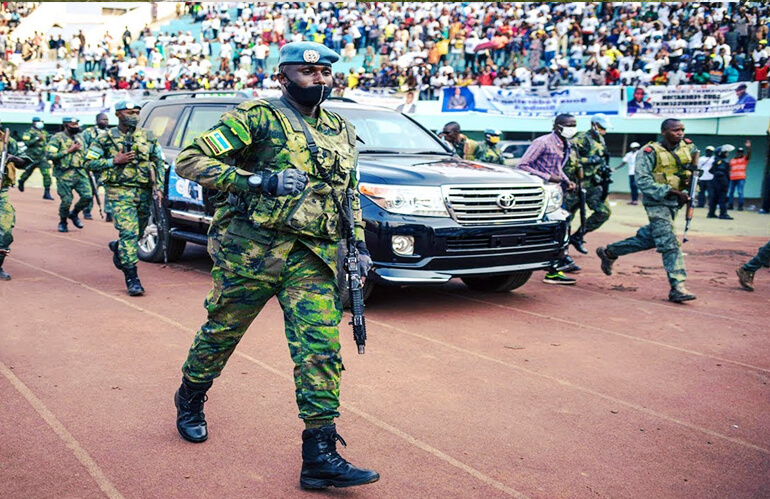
column 389, row 132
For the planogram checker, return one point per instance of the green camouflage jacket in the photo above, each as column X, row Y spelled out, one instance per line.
column 488, row 153
column 35, row 140
column 139, row 172
column 9, row 178
column 252, row 234
column 56, row 151
column 589, row 145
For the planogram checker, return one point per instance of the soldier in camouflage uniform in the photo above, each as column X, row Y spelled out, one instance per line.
column 591, row 151
column 280, row 164
column 131, row 162
column 35, row 139
column 66, row 151
column 488, row 151
column 7, row 213
column 463, row 146
column 89, row 136
column 663, row 171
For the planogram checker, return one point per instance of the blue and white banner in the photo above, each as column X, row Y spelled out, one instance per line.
column 691, row 101
column 533, row 103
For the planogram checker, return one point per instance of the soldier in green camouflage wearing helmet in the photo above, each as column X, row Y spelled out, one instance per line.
column 35, row 138
column 7, row 213
column 280, row 164
column 663, row 172
column 130, row 161
column 66, row 151
column 89, row 136
column 488, row 151
column 591, row 151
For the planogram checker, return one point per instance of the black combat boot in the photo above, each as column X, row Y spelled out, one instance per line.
column 679, row 294
column 578, row 243
column 47, row 194
column 606, row 258
column 115, row 257
column 63, row 224
column 745, row 277
column 87, row 215
column 323, row 467
column 75, row 220
column 132, row 282
column 4, row 276
column 190, row 420
column 108, row 217
column 567, row 264
column 20, row 185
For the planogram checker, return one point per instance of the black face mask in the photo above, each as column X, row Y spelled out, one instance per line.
column 310, row 96
column 130, row 121
column 101, row 126
column 72, row 130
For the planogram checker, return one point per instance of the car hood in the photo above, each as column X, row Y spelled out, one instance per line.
column 428, row 170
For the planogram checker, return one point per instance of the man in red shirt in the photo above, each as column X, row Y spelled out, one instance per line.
column 738, row 174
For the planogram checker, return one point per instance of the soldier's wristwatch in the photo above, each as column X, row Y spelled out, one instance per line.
column 255, row 182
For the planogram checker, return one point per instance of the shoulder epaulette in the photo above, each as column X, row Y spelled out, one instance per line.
column 647, row 149
column 249, row 104
column 687, row 141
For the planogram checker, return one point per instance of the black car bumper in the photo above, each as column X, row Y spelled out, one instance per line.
column 444, row 249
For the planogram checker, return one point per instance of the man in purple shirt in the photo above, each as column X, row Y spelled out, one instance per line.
column 546, row 158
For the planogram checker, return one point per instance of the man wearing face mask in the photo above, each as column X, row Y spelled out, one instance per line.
column 7, row 213
column 89, row 136
column 130, row 161
column 489, row 151
column 591, row 150
column 66, row 152
column 663, row 172
column 546, row 157
column 35, row 138
column 284, row 166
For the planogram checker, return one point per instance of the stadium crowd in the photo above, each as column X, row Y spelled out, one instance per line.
column 423, row 46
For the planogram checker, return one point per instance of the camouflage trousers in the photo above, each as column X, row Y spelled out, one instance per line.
column 45, row 170
column 601, row 209
column 659, row 233
column 73, row 181
column 761, row 259
column 307, row 293
column 131, row 208
column 7, row 220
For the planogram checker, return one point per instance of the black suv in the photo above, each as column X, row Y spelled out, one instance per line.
column 430, row 215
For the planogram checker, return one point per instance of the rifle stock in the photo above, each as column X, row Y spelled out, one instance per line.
column 355, row 281
column 692, row 194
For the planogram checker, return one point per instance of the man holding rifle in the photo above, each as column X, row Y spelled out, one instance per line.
column 8, row 164
column 663, row 172
column 284, row 167
column 131, row 163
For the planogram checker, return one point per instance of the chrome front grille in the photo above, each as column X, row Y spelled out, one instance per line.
column 490, row 204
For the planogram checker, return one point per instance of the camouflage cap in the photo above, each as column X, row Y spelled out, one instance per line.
column 307, row 53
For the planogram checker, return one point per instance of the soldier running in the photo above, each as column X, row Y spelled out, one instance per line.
column 663, row 170
column 35, row 139
column 65, row 150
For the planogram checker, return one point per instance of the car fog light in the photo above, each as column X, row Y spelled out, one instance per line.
column 403, row 245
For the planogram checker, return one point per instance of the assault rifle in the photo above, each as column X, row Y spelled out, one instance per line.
column 692, row 192
column 581, row 232
column 355, row 281
column 161, row 222
column 95, row 188
column 4, row 157
column 604, row 172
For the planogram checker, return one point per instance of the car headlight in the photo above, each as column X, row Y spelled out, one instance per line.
column 406, row 200
column 553, row 197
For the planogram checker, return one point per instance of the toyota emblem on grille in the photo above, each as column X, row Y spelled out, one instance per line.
column 506, row 200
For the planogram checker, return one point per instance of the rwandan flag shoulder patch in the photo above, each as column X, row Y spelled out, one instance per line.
column 217, row 142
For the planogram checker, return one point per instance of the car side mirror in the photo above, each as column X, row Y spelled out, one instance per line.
column 508, row 155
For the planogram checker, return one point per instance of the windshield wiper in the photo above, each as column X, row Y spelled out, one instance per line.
column 439, row 153
column 378, row 151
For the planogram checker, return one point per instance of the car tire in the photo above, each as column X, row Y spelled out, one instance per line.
column 151, row 245
column 498, row 283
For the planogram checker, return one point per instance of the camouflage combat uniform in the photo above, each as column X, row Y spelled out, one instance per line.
column 89, row 136
column 586, row 147
column 488, row 153
column 466, row 147
column 7, row 213
column 657, row 172
column 129, row 186
column 266, row 246
column 69, row 170
column 36, row 140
